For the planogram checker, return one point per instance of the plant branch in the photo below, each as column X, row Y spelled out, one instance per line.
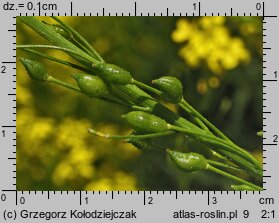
column 63, row 84
column 238, row 155
column 66, row 50
column 216, row 163
column 196, row 119
column 137, row 97
column 55, row 38
column 232, row 177
column 57, row 60
column 204, row 120
column 108, row 136
column 80, row 38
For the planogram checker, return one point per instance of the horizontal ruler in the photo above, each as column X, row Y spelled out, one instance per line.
column 142, row 206
column 146, row 205
column 140, row 8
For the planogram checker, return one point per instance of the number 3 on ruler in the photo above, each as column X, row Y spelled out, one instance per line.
column 214, row 200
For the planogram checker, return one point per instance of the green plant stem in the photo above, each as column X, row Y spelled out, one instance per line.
column 141, row 98
column 108, row 136
column 55, row 38
column 216, row 163
column 140, row 108
column 132, row 93
column 217, row 155
column 204, row 120
column 63, row 84
column 242, row 188
column 64, row 62
column 223, row 157
column 80, row 38
column 53, row 48
column 236, row 154
column 78, row 44
column 127, row 103
column 70, row 37
column 159, row 93
column 232, row 177
column 137, row 96
column 71, row 87
column 113, row 101
column 221, row 142
column 196, row 119
column 146, row 87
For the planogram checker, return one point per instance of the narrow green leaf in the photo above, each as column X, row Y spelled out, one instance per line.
column 79, row 39
column 55, row 38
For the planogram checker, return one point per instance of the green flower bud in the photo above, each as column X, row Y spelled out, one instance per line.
column 113, row 74
column 92, row 86
column 188, row 161
column 242, row 188
column 144, row 122
column 171, row 88
column 35, row 69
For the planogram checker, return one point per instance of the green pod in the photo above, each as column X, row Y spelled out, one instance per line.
column 36, row 70
column 92, row 86
column 242, row 188
column 188, row 161
column 144, row 122
column 171, row 87
column 113, row 74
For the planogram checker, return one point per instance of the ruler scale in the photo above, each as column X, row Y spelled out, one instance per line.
column 142, row 206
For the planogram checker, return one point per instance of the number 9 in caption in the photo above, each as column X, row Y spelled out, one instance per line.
column 245, row 214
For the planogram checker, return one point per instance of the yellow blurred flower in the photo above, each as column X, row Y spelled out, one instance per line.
column 124, row 181
column 208, row 40
column 104, row 184
column 183, row 31
column 202, row 86
column 213, row 82
column 63, row 153
column 41, row 129
column 207, row 22
column 119, row 181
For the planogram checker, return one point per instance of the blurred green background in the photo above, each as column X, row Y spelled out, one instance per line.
column 219, row 61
